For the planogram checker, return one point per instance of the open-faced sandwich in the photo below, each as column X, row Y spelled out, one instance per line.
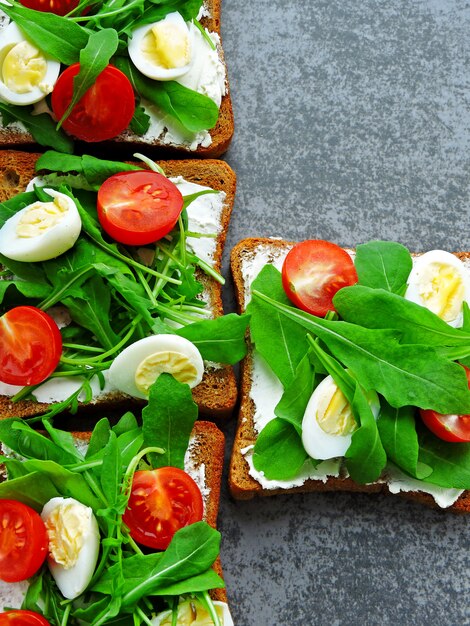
column 356, row 377
column 135, row 73
column 126, row 263
column 116, row 526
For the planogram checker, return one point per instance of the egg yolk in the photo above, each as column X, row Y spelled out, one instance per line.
column 23, row 68
column 441, row 290
column 334, row 414
column 168, row 361
column 192, row 613
column 66, row 528
column 40, row 217
column 166, row 45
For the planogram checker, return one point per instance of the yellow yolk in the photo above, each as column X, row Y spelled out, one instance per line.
column 441, row 290
column 23, row 68
column 66, row 527
column 175, row 363
column 334, row 414
column 166, row 45
column 192, row 613
column 40, row 217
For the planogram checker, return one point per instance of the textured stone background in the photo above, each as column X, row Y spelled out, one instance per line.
column 352, row 123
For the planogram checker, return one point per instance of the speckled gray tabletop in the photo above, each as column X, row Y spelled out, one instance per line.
column 352, row 123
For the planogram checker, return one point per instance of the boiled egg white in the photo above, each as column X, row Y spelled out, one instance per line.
column 140, row 364
column 27, row 75
column 74, row 542
column 440, row 282
column 162, row 50
column 192, row 613
column 329, row 423
column 42, row 230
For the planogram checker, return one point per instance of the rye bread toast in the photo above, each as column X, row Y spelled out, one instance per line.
column 256, row 252
column 16, row 137
column 216, row 395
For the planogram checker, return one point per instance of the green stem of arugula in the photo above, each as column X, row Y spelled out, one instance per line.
column 143, row 617
column 209, row 270
column 132, row 262
column 161, row 282
column 146, row 287
column 48, row 302
column 182, row 241
column 65, row 617
column 85, row 18
column 204, row 34
column 206, row 600
column 82, row 348
column 151, row 164
column 173, row 315
column 105, row 355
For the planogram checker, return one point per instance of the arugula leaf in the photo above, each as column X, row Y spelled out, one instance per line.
column 192, row 551
column 399, row 438
column 365, row 457
column 189, row 9
column 42, row 127
column 58, row 162
column 194, row 111
column 450, row 462
column 221, row 339
column 279, row 340
column 57, row 36
column 63, row 440
column 406, row 375
column 15, row 204
column 278, row 451
column 28, row 289
column 291, row 407
column 125, row 424
column 168, row 420
column 94, row 58
column 99, row 438
column 110, row 474
column 376, row 308
column 383, row 265
column 33, row 489
column 201, row 582
column 140, row 122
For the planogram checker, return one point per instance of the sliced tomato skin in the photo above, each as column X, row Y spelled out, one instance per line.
column 103, row 112
column 22, row 618
column 138, row 207
column 23, row 541
column 161, row 502
column 313, row 271
column 59, row 7
column 30, row 346
column 455, row 428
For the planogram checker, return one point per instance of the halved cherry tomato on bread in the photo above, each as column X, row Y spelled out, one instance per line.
column 22, row 618
column 448, row 427
column 23, row 541
column 313, row 271
column 59, row 7
column 105, row 110
column 30, row 346
column 161, row 502
column 138, row 207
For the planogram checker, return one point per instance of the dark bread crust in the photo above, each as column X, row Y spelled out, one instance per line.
column 242, row 485
column 11, row 138
column 217, row 393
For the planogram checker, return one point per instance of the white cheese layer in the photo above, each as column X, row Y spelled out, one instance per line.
column 266, row 391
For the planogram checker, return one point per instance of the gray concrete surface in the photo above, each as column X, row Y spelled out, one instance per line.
column 352, row 123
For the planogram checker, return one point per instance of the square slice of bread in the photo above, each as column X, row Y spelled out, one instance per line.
column 204, row 462
column 248, row 257
column 16, row 137
column 216, row 394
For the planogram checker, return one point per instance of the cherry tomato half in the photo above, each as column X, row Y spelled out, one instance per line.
column 105, row 110
column 23, row 541
column 313, row 272
column 138, row 207
column 161, row 502
column 59, row 7
column 22, row 618
column 448, row 427
column 30, row 346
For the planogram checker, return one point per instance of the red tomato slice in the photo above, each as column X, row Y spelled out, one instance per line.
column 161, row 502
column 23, row 541
column 105, row 110
column 452, row 427
column 313, row 272
column 22, row 618
column 30, row 346
column 138, row 207
column 59, row 7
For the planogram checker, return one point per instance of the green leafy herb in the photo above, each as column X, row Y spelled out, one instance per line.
column 383, row 265
column 450, row 462
column 140, row 122
column 169, row 419
column 278, row 451
column 291, row 407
